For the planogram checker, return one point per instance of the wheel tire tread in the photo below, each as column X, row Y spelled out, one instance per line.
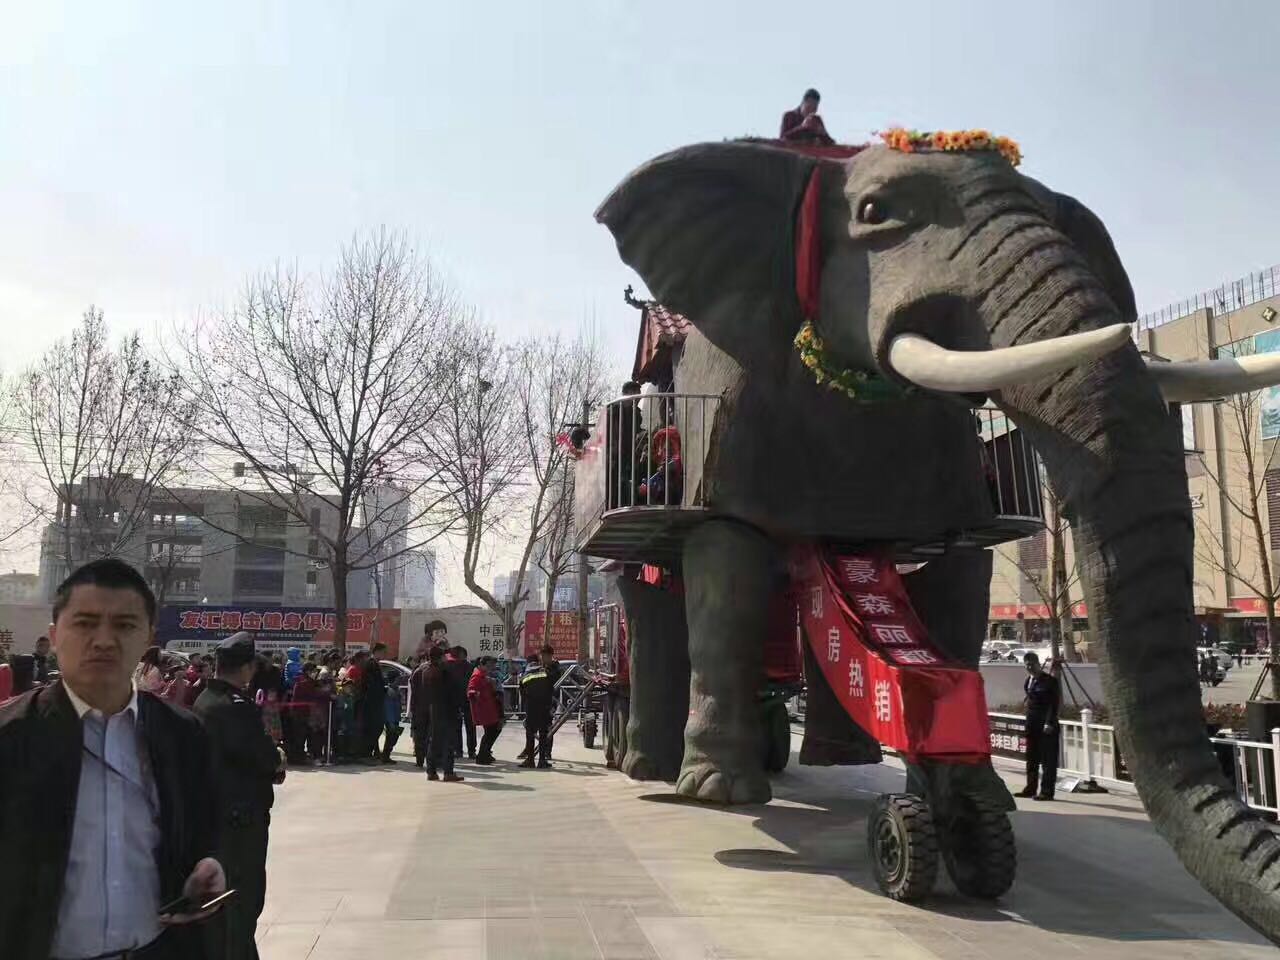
column 922, row 846
column 992, row 872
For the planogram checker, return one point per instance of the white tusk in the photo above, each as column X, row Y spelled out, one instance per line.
column 928, row 365
column 1193, row 381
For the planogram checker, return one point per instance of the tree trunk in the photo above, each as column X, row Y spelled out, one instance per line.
column 339, row 572
column 548, row 605
column 1273, row 655
column 509, row 625
column 67, row 555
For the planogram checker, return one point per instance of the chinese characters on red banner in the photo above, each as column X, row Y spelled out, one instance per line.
column 876, row 656
column 563, row 633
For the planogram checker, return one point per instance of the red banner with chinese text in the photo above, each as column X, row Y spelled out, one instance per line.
column 877, row 659
column 563, row 633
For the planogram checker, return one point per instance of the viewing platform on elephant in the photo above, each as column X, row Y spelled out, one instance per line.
column 631, row 499
column 657, row 461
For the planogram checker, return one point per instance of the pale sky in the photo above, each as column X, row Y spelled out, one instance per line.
column 154, row 154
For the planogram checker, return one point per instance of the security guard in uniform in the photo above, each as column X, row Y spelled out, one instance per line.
column 245, row 765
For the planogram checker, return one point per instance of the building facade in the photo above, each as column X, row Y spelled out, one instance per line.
column 215, row 546
column 416, row 579
column 18, row 587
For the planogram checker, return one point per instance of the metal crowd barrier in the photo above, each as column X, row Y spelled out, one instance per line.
column 1088, row 750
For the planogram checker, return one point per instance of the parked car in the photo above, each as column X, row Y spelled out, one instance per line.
column 1225, row 660
column 994, row 651
column 1016, row 654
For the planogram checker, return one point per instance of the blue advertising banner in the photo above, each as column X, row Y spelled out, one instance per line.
column 201, row 627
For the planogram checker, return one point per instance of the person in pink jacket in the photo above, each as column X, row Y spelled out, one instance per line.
column 486, row 708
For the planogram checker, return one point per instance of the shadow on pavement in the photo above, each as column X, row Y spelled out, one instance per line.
column 499, row 785
column 1080, row 873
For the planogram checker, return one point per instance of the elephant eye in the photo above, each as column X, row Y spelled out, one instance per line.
column 872, row 211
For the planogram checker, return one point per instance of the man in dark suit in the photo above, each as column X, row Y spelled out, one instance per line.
column 105, row 812
column 458, row 668
column 1043, row 697
column 246, row 764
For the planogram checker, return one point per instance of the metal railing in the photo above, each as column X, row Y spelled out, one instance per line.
column 1234, row 295
column 1088, row 750
column 652, row 441
column 1011, row 466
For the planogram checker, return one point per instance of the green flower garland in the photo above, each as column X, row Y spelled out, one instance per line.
column 857, row 385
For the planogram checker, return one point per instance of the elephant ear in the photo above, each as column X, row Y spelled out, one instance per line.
column 710, row 229
column 1090, row 237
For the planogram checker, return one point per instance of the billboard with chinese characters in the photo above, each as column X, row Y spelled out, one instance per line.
column 198, row 628
column 1008, row 736
column 563, row 633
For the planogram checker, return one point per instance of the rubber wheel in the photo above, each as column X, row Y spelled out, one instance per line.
column 903, row 847
column 616, row 738
column 777, row 736
column 979, row 850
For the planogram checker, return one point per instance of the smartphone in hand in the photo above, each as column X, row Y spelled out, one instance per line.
column 183, row 905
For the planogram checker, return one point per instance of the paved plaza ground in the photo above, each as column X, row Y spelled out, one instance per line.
column 580, row 862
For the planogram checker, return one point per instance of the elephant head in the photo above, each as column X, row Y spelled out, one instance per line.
column 953, row 274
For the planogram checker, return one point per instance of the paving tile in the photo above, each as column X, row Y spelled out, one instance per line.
column 463, row 939
column 288, row 941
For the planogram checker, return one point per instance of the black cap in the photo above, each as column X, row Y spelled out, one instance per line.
column 235, row 651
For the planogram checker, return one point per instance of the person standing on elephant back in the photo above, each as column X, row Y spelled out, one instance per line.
column 1044, row 696
column 803, row 125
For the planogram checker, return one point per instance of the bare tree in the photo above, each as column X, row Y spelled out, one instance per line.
column 1240, row 476
column 555, row 555
column 498, row 443
column 108, row 428
column 1053, row 580
column 322, row 391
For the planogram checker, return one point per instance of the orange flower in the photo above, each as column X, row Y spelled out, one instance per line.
column 979, row 139
column 940, row 140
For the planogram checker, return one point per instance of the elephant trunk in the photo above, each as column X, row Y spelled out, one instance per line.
column 1114, row 456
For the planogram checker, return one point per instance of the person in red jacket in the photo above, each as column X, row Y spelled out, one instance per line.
column 486, row 709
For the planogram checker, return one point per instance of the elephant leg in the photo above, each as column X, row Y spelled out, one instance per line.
column 952, row 594
column 659, row 662
column 729, row 580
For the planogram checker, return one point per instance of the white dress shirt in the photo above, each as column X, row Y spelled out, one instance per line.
column 111, row 890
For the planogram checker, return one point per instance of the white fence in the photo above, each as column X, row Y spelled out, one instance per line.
column 1088, row 750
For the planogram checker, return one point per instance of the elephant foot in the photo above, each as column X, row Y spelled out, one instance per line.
column 638, row 766
column 706, row 781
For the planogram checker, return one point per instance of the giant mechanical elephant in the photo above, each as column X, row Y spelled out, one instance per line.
column 954, row 279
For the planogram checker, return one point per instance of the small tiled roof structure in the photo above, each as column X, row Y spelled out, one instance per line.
column 661, row 329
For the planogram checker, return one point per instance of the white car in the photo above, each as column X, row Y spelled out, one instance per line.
column 996, row 650
column 1016, row 654
column 1225, row 660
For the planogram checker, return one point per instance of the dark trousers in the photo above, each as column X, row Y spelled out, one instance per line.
column 390, row 736
column 440, row 745
column 468, row 729
column 487, row 741
column 420, row 730
column 1042, row 757
column 242, row 852
column 537, row 727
